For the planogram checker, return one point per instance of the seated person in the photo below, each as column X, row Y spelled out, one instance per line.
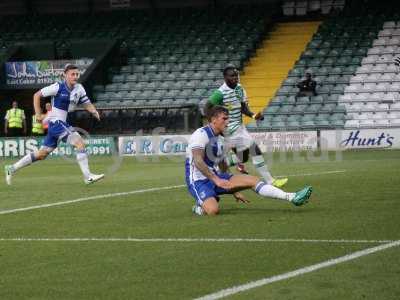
column 307, row 87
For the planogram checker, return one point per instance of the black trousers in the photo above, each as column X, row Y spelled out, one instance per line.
column 14, row 132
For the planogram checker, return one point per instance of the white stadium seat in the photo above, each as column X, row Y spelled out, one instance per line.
column 382, row 87
column 370, row 59
column 382, row 107
column 362, row 97
column 377, row 50
column 387, row 77
column 354, row 107
column 386, row 32
column 351, row 124
column 382, row 123
column 395, row 123
column 359, row 78
column 389, row 24
column 395, row 106
column 364, row 69
column 367, row 124
column 394, row 87
column 393, row 115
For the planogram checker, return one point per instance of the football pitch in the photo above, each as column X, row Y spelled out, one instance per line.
column 133, row 236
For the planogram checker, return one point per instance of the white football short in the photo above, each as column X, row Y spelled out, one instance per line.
column 240, row 139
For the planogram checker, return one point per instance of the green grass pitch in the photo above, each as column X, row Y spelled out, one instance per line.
column 356, row 197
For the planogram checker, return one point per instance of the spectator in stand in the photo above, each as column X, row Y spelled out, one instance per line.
column 307, row 87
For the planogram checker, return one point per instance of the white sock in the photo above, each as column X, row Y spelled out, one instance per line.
column 82, row 159
column 259, row 164
column 231, row 159
column 268, row 190
column 23, row 162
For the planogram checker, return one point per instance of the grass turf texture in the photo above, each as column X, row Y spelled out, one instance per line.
column 360, row 203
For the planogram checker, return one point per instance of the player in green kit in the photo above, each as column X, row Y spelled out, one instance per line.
column 232, row 96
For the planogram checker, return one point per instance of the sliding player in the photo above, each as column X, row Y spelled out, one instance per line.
column 207, row 174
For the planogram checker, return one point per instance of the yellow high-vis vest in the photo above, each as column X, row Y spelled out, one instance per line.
column 37, row 126
column 15, row 117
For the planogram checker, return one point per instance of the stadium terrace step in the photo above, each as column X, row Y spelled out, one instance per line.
column 265, row 72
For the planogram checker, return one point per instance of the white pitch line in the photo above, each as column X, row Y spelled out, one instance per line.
column 312, row 174
column 265, row 281
column 194, row 240
column 15, row 210
column 10, row 211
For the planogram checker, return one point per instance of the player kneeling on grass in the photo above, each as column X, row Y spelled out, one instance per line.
column 207, row 174
column 65, row 96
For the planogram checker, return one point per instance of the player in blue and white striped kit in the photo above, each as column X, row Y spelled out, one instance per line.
column 66, row 95
column 207, row 175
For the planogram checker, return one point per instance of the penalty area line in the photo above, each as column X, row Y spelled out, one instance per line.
column 157, row 189
column 265, row 281
column 312, row 174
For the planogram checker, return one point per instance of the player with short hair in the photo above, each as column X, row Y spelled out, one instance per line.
column 207, row 174
column 233, row 96
column 65, row 96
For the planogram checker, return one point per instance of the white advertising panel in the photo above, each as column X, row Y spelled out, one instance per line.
column 153, row 145
column 360, row 139
column 286, row 141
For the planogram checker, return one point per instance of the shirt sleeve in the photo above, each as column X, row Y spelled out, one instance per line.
column 83, row 98
column 198, row 140
column 23, row 114
column 216, row 98
column 244, row 98
column 50, row 90
column 6, row 117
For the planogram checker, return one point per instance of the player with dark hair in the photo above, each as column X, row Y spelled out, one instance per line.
column 65, row 96
column 232, row 96
column 207, row 174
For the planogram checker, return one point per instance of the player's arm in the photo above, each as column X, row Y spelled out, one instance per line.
column 85, row 102
column 223, row 166
column 245, row 109
column 92, row 109
column 47, row 91
column 36, row 105
column 198, row 158
column 247, row 112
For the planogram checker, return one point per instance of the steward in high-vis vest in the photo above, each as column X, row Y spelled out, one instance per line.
column 37, row 126
column 15, row 122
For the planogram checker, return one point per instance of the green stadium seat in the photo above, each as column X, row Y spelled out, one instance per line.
column 289, row 100
column 300, row 108
column 317, row 99
column 313, row 108
column 303, row 100
column 271, row 110
column 327, row 108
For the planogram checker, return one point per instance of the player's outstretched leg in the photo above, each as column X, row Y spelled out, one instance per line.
column 23, row 162
column 241, row 182
column 299, row 198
